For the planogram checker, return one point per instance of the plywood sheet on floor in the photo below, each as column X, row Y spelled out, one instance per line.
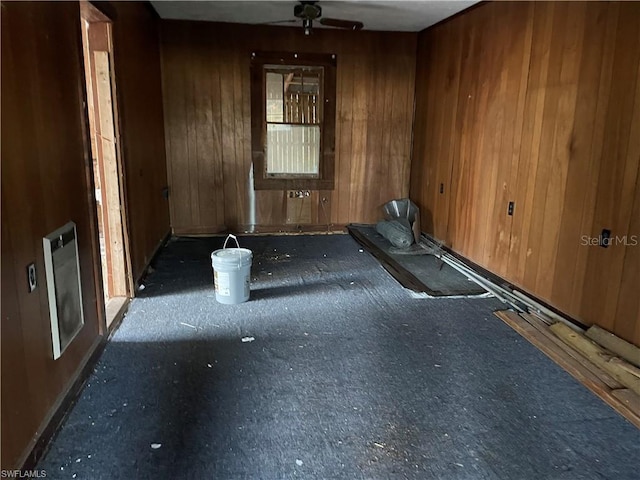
column 426, row 273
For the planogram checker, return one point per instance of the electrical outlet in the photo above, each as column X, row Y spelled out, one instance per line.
column 605, row 238
column 32, row 279
column 299, row 193
column 510, row 209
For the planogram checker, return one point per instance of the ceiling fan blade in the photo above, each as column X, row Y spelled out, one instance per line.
column 335, row 22
column 292, row 20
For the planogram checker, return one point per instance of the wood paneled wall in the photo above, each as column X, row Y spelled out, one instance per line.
column 208, row 125
column 138, row 76
column 46, row 182
column 537, row 103
column 45, row 157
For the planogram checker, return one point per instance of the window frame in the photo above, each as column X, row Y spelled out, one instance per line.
column 325, row 179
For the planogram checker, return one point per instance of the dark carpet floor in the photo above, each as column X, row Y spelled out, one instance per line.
column 348, row 377
column 436, row 278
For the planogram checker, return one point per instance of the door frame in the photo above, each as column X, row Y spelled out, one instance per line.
column 93, row 14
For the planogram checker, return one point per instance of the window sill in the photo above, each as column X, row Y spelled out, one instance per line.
column 293, row 184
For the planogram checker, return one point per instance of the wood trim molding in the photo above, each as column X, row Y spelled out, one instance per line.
column 326, row 180
column 49, row 426
column 504, row 282
column 152, row 259
column 105, row 8
column 93, row 13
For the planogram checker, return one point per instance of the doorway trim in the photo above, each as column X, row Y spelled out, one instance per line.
column 105, row 141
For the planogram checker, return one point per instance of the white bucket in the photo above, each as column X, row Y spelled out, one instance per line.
column 231, row 273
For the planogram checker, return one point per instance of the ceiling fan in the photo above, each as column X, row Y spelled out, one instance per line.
column 309, row 10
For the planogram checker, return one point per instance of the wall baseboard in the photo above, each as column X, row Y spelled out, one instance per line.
column 152, row 259
column 39, row 445
column 498, row 280
column 288, row 229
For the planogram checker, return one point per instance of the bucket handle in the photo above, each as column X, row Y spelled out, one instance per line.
column 234, row 238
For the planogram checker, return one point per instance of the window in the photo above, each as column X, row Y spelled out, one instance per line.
column 293, row 120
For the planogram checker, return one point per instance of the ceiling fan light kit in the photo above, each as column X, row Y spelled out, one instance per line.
column 306, row 24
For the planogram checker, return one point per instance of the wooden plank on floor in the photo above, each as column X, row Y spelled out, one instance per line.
column 543, row 328
column 597, row 355
column 405, row 278
column 632, row 369
column 620, row 347
column 559, row 354
column 628, row 398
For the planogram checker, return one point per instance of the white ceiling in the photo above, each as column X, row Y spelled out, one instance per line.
column 402, row 15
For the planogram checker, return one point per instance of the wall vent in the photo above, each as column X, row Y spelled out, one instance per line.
column 63, row 286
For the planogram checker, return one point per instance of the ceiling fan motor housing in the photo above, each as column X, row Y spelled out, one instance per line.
column 307, row 10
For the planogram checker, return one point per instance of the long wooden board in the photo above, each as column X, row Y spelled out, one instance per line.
column 608, row 340
column 597, row 355
column 584, row 363
column 619, row 399
column 116, row 267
